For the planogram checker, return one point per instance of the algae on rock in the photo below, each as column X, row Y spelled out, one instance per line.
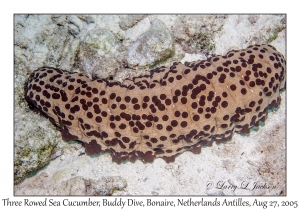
column 35, row 140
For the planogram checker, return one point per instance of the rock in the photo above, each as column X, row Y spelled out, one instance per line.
column 153, row 46
column 127, row 21
column 35, row 141
column 77, row 22
column 196, row 33
column 239, row 31
column 44, row 185
column 86, row 18
column 30, row 40
column 51, row 43
column 99, row 53
column 59, row 45
column 100, row 42
column 107, row 185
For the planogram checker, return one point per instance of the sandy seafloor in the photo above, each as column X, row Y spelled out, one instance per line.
column 218, row 170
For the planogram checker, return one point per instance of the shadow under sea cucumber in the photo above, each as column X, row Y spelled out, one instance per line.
column 172, row 110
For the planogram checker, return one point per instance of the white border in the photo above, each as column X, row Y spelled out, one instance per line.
column 215, row 6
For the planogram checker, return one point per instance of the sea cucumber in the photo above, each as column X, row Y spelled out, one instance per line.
column 172, row 110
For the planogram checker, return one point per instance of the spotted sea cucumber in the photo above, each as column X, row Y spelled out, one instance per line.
column 172, row 110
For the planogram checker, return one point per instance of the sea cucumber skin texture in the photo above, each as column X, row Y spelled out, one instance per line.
column 172, row 110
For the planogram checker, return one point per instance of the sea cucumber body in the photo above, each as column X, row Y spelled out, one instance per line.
column 172, row 110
